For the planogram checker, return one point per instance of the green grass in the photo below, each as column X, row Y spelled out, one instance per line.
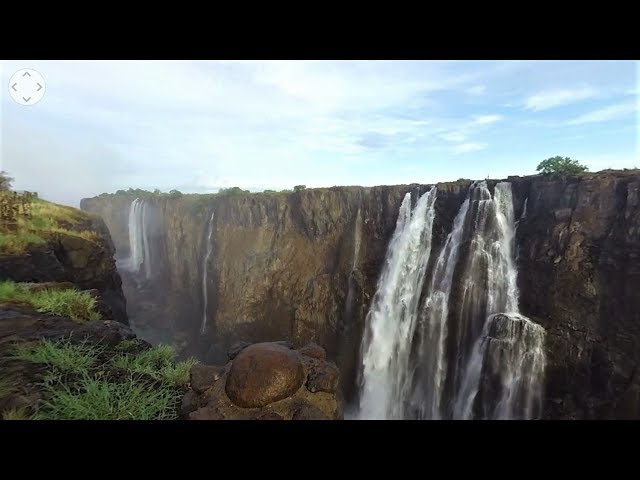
column 98, row 399
column 15, row 243
column 75, row 304
column 60, row 354
column 85, row 381
column 158, row 363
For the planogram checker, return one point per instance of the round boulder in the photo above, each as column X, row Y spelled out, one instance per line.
column 264, row 373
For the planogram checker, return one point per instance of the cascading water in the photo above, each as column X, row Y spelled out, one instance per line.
column 504, row 378
column 431, row 363
column 492, row 256
column 140, row 255
column 472, row 354
column 392, row 320
column 205, row 274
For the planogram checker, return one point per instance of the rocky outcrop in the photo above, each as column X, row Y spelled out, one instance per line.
column 265, row 381
column 87, row 264
column 291, row 266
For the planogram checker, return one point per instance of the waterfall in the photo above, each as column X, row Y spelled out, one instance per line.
column 352, row 282
column 205, row 273
column 140, row 253
column 504, row 380
column 392, row 319
column 431, row 359
column 471, row 354
column 357, row 238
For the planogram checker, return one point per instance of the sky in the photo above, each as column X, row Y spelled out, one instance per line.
column 198, row 126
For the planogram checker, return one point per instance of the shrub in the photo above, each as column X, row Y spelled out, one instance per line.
column 299, row 188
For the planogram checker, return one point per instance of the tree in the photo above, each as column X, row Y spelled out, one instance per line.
column 5, row 181
column 298, row 188
column 562, row 166
column 175, row 193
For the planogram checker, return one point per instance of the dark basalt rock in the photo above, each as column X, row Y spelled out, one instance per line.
column 309, row 412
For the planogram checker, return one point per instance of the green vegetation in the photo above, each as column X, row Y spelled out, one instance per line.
column 32, row 220
column 15, row 243
column 97, row 399
column 299, row 188
column 78, row 305
column 233, row 191
column 158, row 364
column 60, row 355
column 561, row 166
column 85, row 381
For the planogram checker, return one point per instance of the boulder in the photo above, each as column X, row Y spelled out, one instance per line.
column 314, row 351
column 323, row 378
column 307, row 411
column 203, row 377
column 264, row 373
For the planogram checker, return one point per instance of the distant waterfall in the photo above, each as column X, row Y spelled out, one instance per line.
column 357, row 239
column 471, row 354
column 140, row 256
column 392, row 320
column 352, row 282
column 205, row 274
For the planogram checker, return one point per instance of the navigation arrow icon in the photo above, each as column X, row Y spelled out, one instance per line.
column 14, row 87
column 26, row 73
column 26, row 99
column 39, row 87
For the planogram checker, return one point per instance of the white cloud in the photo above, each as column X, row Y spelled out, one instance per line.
column 469, row 147
column 486, row 119
column 605, row 114
column 453, row 136
column 557, row 97
column 476, row 90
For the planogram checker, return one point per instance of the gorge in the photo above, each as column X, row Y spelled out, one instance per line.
column 510, row 298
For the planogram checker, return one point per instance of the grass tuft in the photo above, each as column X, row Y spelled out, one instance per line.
column 61, row 355
column 158, row 363
column 97, row 399
column 85, row 382
column 75, row 304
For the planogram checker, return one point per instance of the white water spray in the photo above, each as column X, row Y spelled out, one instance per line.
column 392, row 320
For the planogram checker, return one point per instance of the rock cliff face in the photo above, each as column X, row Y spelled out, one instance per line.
column 304, row 267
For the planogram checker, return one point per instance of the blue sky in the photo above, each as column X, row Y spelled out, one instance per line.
column 198, row 126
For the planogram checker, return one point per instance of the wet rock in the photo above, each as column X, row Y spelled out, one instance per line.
column 203, row 377
column 264, row 373
column 309, row 412
column 206, row 413
column 189, row 403
column 268, row 415
column 236, row 348
column 323, row 378
column 314, row 351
